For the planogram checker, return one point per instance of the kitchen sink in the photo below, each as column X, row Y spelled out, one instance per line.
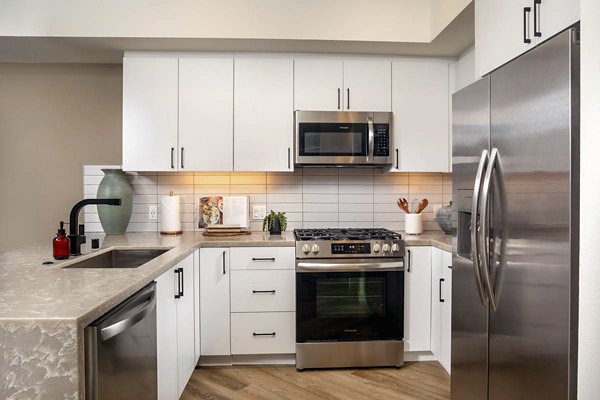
column 120, row 258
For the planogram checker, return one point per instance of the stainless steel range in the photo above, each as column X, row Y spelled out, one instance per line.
column 349, row 298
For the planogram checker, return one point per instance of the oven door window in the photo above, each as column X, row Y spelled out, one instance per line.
column 344, row 306
column 332, row 139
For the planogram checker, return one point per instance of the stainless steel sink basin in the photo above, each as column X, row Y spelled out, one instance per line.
column 122, row 258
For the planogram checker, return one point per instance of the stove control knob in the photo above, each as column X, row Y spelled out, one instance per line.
column 306, row 249
column 376, row 248
column 315, row 248
column 395, row 247
column 386, row 248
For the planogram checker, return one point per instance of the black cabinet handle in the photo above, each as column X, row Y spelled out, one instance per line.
column 263, row 259
column 264, row 291
column 526, row 11
column 441, row 280
column 263, row 334
column 178, row 294
column 182, row 158
column 348, row 93
column 339, row 97
column 172, row 157
column 289, row 158
column 397, row 160
column 408, row 262
column 224, row 262
column 537, row 24
column 181, row 287
column 449, row 266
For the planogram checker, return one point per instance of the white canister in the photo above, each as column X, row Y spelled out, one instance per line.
column 413, row 224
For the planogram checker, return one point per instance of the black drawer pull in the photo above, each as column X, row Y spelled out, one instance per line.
column 263, row 334
column 441, row 280
column 272, row 259
column 264, row 291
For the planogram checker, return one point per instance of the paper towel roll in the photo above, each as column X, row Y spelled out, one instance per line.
column 170, row 215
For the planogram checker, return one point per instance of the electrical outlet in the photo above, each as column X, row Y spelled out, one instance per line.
column 259, row 212
column 152, row 213
column 436, row 207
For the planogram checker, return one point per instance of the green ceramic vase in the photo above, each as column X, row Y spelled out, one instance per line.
column 114, row 219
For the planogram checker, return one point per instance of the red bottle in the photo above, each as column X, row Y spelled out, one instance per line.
column 61, row 245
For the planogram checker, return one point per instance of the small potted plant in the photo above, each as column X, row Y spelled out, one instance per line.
column 275, row 222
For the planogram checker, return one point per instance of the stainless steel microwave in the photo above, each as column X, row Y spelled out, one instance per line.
column 344, row 138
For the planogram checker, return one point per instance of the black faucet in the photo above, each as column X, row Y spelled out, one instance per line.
column 78, row 238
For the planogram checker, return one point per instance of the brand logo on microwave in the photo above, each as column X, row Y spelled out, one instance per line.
column 344, row 127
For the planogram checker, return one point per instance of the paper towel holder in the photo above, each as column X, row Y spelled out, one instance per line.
column 171, row 233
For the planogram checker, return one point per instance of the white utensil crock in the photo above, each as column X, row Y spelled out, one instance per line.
column 413, row 224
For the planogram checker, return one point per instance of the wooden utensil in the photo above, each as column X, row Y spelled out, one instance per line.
column 422, row 205
column 403, row 205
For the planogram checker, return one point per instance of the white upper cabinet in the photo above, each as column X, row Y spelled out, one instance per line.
column 420, row 100
column 318, row 84
column 205, row 114
column 150, row 113
column 506, row 29
column 367, row 85
column 264, row 114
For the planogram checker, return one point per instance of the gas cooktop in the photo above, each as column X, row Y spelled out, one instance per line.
column 348, row 243
column 346, row 234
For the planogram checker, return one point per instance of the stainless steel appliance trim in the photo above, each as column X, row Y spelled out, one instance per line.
column 474, row 238
column 371, row 144
column 91, row 363
column 113, row 330
column 373, row 353
column 325, row 249
column 485, row 196
column 352, row 265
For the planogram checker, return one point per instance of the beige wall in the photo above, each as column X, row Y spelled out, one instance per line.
column 53, row 119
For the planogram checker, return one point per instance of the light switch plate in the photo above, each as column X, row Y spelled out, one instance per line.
column 152, row 213
column 259, row 212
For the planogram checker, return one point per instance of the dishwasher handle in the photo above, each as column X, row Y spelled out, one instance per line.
column 141, row 312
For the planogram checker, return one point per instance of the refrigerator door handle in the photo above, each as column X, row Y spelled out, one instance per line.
column 485, row 197
column 474, row 237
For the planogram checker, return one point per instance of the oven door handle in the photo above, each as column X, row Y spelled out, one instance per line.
column 349, row 267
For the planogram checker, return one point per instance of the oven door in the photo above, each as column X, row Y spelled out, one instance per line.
column 349, row 301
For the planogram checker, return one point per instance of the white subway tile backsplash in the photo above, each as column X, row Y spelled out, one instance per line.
column 310, row 197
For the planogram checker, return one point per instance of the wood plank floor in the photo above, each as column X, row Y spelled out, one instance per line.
column 416, row 380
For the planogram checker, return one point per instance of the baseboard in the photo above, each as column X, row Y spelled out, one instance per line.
column 248, row 359
column 419, row 356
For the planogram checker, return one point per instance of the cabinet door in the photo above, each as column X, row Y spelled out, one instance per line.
column 556, row 15
column 196, row 306
column 214, row 302
column 436, row 303
column 318, row 84
column 150, row 113
column 206, row 114
column 420, row 96
column 500, row 30
column 446, row 317
column 166, row 335
column 263, row 114
column 185, row 323
column 417, row 299
column 367, row 85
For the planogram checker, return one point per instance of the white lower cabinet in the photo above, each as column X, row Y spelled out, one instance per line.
column 263, row 333
column 441, row 306
column 175, row 329
column 417, row 299
column 214, row 302
column 247, row 301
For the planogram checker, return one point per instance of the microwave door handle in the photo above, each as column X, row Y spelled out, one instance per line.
column 371, row 144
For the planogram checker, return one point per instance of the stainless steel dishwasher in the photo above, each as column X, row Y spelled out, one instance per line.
column 120, row 350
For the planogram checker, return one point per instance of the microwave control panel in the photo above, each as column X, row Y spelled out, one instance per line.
column 382, row 140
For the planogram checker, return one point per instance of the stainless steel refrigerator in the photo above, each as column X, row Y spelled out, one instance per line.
column 516, row 202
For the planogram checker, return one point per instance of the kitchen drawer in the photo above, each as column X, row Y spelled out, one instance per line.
column 263, row 333
column 278, row 291
column 263, row 258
